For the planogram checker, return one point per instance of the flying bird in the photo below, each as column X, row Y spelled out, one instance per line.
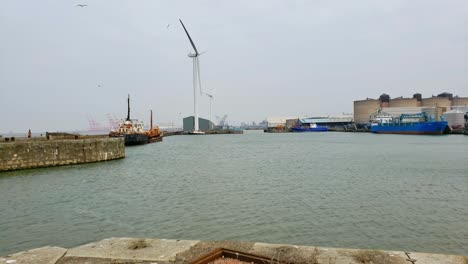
column 81, row 5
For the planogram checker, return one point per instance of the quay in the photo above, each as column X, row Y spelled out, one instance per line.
column 207, row 132
column 161, row 251
column 57, row 149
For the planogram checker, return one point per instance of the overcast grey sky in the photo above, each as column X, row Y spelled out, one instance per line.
column 59, row 62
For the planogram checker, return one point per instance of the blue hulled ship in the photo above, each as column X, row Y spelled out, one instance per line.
column 310, row 128
column 411, row 124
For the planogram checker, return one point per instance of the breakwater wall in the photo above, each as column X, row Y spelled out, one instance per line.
column 36, row 153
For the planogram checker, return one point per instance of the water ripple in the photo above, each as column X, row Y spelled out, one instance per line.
column 330, row 189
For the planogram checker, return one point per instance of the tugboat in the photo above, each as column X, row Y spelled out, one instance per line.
column 132, row 130
column 154, row 134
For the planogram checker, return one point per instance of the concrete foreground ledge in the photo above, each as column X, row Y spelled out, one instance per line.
column 161, row 251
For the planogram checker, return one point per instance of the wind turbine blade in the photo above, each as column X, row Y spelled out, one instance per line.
column 203, row 52
column 188, row 35
column 198, row 73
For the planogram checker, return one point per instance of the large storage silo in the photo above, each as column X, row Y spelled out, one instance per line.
column 455, row 119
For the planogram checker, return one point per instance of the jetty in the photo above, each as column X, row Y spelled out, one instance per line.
column 58, row 149
column 207, row 132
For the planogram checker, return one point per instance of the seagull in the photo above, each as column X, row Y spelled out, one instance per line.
column 81, row 5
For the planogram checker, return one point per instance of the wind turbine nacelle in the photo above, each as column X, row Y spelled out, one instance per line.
column 191, row 55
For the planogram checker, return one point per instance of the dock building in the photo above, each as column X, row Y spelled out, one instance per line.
column 279, row 122
column 284, row 124
column 434, row 106
column 204, row 124
column 330, row 122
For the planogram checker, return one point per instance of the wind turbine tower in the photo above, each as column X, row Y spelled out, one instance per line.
column 211, row 96
column 196, row 81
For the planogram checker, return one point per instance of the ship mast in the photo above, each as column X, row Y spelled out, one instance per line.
column 128, row 112
column 151, row 120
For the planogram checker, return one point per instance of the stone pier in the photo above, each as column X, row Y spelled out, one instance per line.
column 20, row 153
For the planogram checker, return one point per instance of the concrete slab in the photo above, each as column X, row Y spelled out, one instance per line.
column 428, row 258
column 307, row 254
column 132, row 249
column 44, row 255
column 161, row 251
column 78, row 260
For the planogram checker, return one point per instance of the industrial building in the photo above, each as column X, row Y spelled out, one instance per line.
column 330, row 122
column 279, row 124
column 435, row 105
column 204, row 124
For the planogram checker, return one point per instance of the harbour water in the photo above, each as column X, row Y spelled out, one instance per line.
column 353, row 190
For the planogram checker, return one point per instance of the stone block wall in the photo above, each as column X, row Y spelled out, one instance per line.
column 28, row 154
column 404, row 102
column 436, row 101
column 460, row 101
column 364, row 108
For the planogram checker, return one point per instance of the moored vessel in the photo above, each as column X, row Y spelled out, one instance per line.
column 154, row 134
column 136, row 139
column 311, row 128
column 410, row 124
column 132, row 130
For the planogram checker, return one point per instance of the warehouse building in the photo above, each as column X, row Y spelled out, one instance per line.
column 435, row 105
column 330, row 122
column 203, row 124
column 279, row 122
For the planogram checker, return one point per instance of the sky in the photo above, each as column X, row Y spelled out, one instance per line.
column 62, row 65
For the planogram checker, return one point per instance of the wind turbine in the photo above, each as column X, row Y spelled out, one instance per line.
column 196, row 80
column 211, row 96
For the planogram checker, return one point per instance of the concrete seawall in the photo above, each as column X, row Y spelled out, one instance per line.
column 27, row 154
column 150, row 251
column 208, row 132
